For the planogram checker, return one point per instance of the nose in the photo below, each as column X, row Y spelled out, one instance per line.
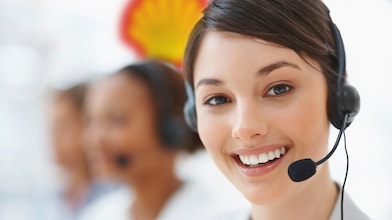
column 250, row 122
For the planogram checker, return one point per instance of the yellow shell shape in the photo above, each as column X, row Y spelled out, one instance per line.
column 160, row 28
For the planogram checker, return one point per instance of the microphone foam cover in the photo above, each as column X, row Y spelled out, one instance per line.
column 122, row 160
column 302, row 170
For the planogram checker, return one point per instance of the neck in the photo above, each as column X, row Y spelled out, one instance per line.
column 152, row 194
column 76, row 188
column 316, row 201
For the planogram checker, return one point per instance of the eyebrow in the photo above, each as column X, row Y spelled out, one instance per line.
column 262, row 72
column 209, row 81
column 270, row 68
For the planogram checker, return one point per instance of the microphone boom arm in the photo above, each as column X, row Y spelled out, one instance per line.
column 342, row 128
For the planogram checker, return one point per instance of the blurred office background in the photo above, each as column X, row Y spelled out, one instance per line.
column 49, row 42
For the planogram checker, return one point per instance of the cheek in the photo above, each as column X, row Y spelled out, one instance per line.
column 307, row 125
column 141, row 134
column 69, row 141
column 77, row 137
column 116, row 137
column 213, row 135
column 144, row 131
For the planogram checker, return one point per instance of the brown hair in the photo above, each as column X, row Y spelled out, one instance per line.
column 304, row 26
column 168, row 92
column 76, row 94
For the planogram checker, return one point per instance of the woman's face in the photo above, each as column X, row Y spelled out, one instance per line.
column 66, row 133
column 123, row 139
column 269, row 106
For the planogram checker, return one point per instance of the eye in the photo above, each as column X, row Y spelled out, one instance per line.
column 217, row 100
column 279, row 90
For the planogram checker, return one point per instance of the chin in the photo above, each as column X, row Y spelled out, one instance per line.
column 266, row 193
column 263, row 198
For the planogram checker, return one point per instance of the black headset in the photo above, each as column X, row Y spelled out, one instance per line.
column 345, row 100
column 172, row 130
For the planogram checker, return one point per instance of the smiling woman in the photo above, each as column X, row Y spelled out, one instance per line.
column 35, row 54
column 271, row 81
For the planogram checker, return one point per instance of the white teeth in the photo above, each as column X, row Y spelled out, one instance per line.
column 277, row 153
column 242, row 158
column 282, row 150
column 271, row 155
column 254, row 160
column 245, row 159
column 263, row 157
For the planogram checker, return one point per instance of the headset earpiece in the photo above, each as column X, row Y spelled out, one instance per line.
column 346, row 98
column 347, row 101
column 190, row 108
column 172, row 130
column 174, row 133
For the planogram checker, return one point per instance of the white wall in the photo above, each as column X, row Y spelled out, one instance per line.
column 48, row 41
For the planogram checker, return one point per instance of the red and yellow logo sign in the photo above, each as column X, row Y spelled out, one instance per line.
column 160, row 28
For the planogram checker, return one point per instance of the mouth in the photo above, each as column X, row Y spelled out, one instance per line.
column 260, row 159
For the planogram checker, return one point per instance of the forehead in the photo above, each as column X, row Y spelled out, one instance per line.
column 225, row 50
column 118, row 91
column 62, row 104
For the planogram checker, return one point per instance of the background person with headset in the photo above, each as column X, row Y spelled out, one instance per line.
column 136, row 124
column 271, row 76
column 66, row 128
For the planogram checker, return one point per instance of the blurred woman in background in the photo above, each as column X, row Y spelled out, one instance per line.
column 136, row 131
column 67, row 130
